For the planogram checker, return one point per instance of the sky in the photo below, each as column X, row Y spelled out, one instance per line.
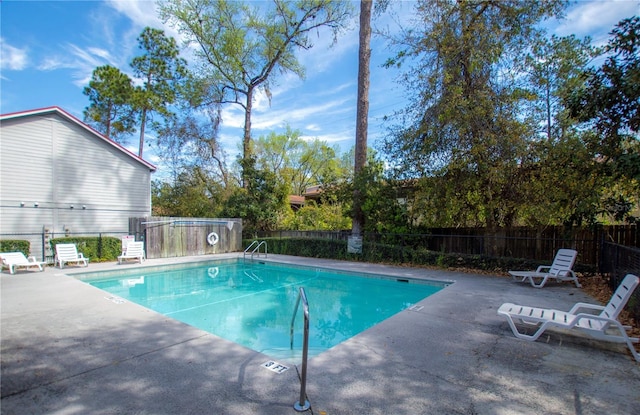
column 49, row 49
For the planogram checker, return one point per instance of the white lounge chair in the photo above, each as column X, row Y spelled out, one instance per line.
column 133, row 250
column 559, row 270
column 66, row 253
column 603, row 326
column 15, row 260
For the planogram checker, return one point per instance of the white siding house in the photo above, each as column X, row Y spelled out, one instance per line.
column 58, row 174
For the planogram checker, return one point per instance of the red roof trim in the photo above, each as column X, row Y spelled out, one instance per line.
column 76, row 121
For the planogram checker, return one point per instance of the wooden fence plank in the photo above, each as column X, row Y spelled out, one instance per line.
column 168, row 237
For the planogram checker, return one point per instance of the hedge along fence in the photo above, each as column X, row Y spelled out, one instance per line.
column 395, row 254
column 97, row 249
column 540, row 244
column 15, row 245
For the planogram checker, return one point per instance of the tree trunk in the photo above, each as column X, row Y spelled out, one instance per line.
column 108, row 124
column 143, row 122
column 364, row 55
column 246, row 141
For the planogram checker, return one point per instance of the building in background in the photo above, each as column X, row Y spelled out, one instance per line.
column 60, row 177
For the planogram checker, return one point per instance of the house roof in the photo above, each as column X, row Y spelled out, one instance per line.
column 313, row 192
column 59, row 111
column 296, row 200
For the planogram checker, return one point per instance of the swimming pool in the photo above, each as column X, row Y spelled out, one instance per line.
column 252, row 303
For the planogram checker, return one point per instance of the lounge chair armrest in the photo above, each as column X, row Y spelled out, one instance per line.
column 594, row 307
column 612, row 321
column 31, row 258
column 542, row 267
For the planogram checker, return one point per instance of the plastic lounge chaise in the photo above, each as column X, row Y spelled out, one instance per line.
column 604, row 326
column 560, row 270
column 133, row 250
column 15, row 260
column 66, row 253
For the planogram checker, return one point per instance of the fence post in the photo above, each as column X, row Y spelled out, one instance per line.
column 44, row 253
column 599, row 249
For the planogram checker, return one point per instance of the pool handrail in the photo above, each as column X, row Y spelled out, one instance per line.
column 256, row 248
column 302, row 404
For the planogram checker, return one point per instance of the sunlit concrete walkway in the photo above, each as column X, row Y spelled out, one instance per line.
column 68, row 348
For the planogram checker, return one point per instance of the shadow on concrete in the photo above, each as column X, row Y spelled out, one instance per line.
column 68, row 349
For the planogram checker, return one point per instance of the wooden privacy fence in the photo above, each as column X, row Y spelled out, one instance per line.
column 618, row 261
column 516, row 242
column 534, row 243
column 168, row 237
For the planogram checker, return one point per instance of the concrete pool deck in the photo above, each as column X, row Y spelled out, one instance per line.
column 68, row 348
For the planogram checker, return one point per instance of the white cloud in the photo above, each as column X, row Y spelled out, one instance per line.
column 325, row 55
column 231, row 144
column 100, row 46
column 596, row 18
column 346, row 137
column 14, row 59
column 338, row 88
column 279, row 118
column 51, row 63
column 73, row 56
column 232, row 116
column 143, row 13
column 81, row 60
column 101, row 53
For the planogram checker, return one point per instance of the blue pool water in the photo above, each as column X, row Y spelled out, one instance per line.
column 252, row 303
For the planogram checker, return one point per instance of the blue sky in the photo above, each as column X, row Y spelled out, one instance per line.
column 50, row 48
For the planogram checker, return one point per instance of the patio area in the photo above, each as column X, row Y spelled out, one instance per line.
column 68, row 348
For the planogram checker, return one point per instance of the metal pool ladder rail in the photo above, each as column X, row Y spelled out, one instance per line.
column 256, row 248
column 302, row 404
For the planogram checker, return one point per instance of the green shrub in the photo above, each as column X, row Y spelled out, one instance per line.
column 375, row 252
column 15, row 245
column 97, row 249
column 313, row 248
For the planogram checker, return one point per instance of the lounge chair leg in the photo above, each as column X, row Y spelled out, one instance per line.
column 634, row 353
column 629, row 340
column 541, row 284
column 516, row 332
